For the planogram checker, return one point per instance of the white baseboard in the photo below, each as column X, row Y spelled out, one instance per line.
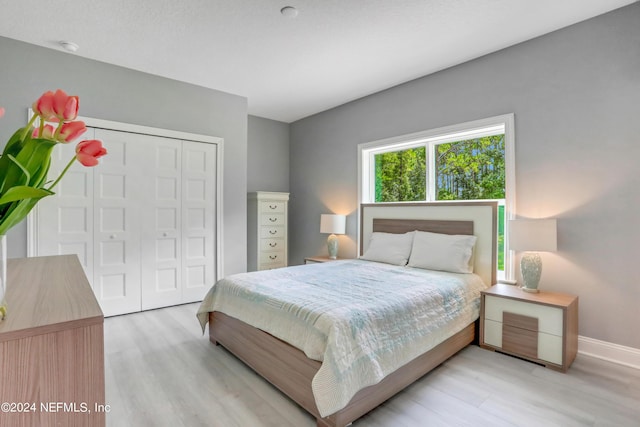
column 627, row 356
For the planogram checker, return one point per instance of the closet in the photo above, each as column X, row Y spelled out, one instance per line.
column 144, row 222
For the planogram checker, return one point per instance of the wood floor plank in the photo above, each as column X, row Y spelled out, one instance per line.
column 162, row 371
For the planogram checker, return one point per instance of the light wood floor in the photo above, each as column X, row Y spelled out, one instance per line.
column 161, row 371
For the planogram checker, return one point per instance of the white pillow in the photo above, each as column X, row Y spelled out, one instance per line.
column 442, row 252
column 389, row 248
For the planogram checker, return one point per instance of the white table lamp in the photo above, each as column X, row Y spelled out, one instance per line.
column 532, row 236
column 332, row 224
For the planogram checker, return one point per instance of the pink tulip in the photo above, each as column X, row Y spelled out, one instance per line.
column 70, row 131
column 58, row 106
column 43, row 107
column 65, row 107
column 89, row 150
column 47, row 132
column 1, row 111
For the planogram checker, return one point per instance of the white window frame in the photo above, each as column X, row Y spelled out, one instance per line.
column 458, row 132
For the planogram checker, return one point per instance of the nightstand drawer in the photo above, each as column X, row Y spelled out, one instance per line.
column 519, row 321
column 550, row 319
column 521, row 341
column 548, row 347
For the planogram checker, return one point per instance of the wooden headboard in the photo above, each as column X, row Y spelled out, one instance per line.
column 469, row 218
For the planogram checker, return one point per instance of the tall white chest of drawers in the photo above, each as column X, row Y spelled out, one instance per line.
column 267, row 230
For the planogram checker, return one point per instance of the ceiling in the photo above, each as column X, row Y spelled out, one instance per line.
column 332, row 52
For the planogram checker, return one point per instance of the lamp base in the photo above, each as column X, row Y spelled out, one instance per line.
column 531, row 269
column 532, row 291
column 332, row 246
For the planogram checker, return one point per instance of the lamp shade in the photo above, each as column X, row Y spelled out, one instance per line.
column 332, row 224
column 535, row 235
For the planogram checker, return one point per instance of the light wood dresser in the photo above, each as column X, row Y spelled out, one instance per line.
column 540, row 327
column 267, row 230
column 51, row 346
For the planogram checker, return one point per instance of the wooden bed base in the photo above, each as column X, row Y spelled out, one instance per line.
column 291, row 371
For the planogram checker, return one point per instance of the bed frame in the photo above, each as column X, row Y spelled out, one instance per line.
column 291, row 371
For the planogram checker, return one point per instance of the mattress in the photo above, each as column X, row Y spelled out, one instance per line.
column 361, row 319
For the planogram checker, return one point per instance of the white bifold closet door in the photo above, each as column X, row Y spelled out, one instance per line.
column 142, row 222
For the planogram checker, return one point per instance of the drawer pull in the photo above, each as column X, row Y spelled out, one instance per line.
column 273, row 245
column 273, row 232
column 272, row 257
column 273, row 219
column 273, row 207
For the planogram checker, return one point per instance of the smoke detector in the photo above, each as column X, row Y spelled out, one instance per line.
column 69, row 46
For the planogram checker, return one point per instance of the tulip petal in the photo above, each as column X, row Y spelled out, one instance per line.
column 88, row 152
column 86, row 159
column 59, row 102
column 71, row 108
column 71, row 130
column 44, row 106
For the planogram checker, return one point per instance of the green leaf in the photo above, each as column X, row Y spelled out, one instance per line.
column 32, row 162
column 35, row 157
column 18, row 211
column 15, row 143
column 7, row 165
column 23, row 192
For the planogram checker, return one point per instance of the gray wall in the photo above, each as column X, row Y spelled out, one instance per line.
column 268, row 155
column 114, row 93
column 576, row 98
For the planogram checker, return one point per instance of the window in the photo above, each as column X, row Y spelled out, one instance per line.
column 469, row 161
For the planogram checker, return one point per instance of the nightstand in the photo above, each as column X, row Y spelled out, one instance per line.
column 540, row 327
column 317, row 259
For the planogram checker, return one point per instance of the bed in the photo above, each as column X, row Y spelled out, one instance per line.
column 297, row 371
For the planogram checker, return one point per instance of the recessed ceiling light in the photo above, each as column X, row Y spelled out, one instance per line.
column 289, row 12
column 69, row 46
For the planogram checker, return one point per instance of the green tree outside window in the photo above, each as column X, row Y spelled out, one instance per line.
column 464, row 170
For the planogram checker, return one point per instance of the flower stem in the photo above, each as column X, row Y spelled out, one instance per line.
column 27, row 129
column 66, row 168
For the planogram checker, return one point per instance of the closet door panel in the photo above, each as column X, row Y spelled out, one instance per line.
column 117, row 223
column 65, row 220
column 143, row 222
column 161, row 229
column 199, row 222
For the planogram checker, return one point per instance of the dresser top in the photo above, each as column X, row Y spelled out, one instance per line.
column 268, row 195
column 542, row 297
column 47, row 294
